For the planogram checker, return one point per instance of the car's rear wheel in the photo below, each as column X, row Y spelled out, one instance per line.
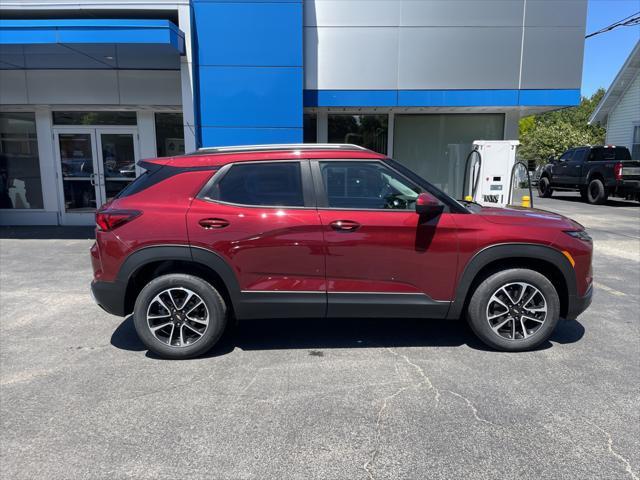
column 514, row 310
column 596, row 192
column 179, row 316
column 544, row 188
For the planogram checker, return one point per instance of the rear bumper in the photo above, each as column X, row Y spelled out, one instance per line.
column 110, row 296
column 627, row 187
column 577, row 304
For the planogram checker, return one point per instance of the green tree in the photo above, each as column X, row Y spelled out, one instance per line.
column 551, row 133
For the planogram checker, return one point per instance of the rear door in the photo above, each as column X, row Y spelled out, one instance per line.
column 383, row 259
column 260, row 217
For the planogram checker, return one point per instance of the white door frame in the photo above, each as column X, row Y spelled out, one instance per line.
column 98, row 178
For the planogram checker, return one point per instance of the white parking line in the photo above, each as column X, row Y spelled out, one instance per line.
column 610, row 290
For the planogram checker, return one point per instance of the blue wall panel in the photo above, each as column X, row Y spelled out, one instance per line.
column 250, row 34
column 213, row 137
column 248, row 71
column 457, row 98
column 440, row 98
column 250, row 96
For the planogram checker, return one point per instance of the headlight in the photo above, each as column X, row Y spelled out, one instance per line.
column 580, row 235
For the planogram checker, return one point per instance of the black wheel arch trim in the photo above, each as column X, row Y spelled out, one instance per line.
column 198, row 255
column 511, row 251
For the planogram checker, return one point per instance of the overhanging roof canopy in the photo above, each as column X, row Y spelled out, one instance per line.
column 90, row 44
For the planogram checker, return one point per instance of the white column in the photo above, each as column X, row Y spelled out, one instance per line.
column 511, row 125
column 147, row 134
column 186, row 76
column 323, row 127
column 391, row 127
column 48, row 167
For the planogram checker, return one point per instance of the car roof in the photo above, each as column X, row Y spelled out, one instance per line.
column 219, row 156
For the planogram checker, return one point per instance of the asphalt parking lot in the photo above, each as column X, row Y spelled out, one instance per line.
column 81, row 398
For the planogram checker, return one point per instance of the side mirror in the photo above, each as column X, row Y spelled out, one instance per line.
column 427, row 204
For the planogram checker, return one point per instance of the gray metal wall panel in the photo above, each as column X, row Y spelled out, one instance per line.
column 552, row 57
column 352, row 13
column 557, row 13
column 443, row 44
column 459, row 58
column 461, row 13
column 351, row 58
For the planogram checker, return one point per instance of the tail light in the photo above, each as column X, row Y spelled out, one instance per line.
column 109, row 219
column 617, row 169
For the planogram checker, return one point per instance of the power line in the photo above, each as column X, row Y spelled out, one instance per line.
column 631, row 20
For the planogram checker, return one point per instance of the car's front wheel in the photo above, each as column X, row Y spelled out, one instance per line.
column 179, row 316
column 514, row 310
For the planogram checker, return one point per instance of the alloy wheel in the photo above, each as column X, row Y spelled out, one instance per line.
column 516, row 311
column 178, row 317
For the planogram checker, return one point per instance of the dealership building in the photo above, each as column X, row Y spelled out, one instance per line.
column 89, row 88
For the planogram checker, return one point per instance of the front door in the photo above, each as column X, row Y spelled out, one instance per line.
column 383, row 259
column 94, row 165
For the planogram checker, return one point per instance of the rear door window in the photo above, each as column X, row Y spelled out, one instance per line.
column 276, row 184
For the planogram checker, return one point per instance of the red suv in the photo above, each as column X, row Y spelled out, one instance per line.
column 315, row 231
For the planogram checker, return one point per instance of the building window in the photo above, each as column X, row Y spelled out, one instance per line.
column 310, row 130
column 20, row 185
column 369, row 131
column 635, row 147
column 169, row 134
column 95, row 118
column 436, row 146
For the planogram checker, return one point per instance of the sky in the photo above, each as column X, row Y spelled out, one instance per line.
column 604, row 54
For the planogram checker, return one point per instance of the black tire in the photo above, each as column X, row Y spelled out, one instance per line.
column 544, row 188
column 478, row 311
column 596, row 192
column 213, row 306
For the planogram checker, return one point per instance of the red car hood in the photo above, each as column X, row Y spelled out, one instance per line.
column 527, row 216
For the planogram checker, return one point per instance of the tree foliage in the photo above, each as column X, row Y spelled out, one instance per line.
column 551, row 133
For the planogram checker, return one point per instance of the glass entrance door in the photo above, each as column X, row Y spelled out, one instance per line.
column 95, row 164
column 118, row 155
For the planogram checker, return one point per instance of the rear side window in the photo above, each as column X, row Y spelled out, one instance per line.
column 610, row 153
column 152, row 176
column 275, row 184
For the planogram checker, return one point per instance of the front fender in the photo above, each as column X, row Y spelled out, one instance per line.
column 510, row 251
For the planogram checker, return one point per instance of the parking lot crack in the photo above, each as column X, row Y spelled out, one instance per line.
column 472, row 407
column 613, row 452
column 424, row 380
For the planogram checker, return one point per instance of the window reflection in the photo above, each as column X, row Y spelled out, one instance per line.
column 369, row 131
column 169, row 134
column 20, row 185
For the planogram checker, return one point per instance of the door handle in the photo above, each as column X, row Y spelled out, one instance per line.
column 344, row 225
column 213, row 223
column 92, row 179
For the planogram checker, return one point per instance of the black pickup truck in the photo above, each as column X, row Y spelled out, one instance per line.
column 596, row 172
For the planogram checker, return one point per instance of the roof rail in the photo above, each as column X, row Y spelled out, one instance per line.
column 276, row 146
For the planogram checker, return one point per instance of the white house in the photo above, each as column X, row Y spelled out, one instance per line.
column 619, row 109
